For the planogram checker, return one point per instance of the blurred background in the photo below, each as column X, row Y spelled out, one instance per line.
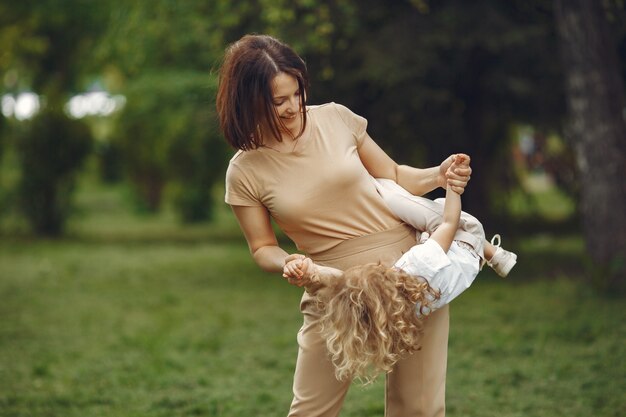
column 114, row 236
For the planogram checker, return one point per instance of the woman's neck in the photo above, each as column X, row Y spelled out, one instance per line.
column 288, row 139
column 286, row 144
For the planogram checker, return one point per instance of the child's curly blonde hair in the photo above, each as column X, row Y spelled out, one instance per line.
column 370, row 318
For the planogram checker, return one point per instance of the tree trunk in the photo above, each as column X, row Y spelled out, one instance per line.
column 597, row 131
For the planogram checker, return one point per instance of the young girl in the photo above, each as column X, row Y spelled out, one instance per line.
column 373, row 314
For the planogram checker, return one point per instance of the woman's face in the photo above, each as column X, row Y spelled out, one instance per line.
column 286, row 100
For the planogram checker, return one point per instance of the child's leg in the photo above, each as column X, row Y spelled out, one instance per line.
column 501, row 260
column 421, row 213
column 490, row 250
column 426, row 215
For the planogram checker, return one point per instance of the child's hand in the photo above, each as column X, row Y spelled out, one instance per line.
column 303, row 272
column 292, row 264
column 460, row 159
column 458, row 174
column 298, row 270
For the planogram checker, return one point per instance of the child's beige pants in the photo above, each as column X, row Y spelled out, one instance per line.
column 415, row 388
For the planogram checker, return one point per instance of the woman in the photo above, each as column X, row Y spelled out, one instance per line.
column 308, row 168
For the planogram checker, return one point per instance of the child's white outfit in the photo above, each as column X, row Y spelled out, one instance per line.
column 452, row 272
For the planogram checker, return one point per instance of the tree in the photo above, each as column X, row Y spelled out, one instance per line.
column 47, row 46
column 51, row 149
column 160, row 54
column 166, row 133
column 597, row 131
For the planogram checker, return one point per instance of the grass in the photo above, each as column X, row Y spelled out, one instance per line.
column 138, row 316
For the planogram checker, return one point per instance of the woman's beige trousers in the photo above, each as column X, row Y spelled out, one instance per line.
column 416, row 386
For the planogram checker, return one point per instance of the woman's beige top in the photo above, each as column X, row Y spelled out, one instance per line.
column 320, row 194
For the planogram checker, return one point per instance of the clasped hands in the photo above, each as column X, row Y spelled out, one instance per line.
column 303, row 272
column 298, row 269
column 455, row 171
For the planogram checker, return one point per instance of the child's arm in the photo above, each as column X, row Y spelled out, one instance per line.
column 444, row 235
column 303, row 272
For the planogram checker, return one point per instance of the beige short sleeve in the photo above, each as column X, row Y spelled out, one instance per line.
column 356, row 123
column 239, row 188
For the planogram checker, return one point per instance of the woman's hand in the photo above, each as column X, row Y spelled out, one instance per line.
column 455, row 172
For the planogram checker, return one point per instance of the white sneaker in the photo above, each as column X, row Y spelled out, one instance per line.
column 502, row 261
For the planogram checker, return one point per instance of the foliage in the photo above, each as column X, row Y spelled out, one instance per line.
column 431, row 77
column 109, row 161
column 3, row 140
column 47, row 45
column 3, row 136
column 167, row 133
column 50, row 149
column 424, row 71
column 45, row 49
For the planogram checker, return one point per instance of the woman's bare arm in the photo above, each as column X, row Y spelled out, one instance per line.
column 257, row 229
column 416, row 180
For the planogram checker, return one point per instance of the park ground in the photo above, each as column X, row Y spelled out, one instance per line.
column 133, row 315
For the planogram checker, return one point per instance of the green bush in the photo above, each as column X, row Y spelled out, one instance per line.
column 2, row 133
column 109, row 162
column 3, row 191
column 167, row 133
column 50, row 150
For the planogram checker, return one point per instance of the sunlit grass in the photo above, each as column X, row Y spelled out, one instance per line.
column 129, row 329
column 546, row 348
column 135, row 315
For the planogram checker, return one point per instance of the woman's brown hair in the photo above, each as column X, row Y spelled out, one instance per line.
column 245, row 96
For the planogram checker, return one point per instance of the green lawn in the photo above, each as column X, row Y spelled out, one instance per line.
column 141, row 317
